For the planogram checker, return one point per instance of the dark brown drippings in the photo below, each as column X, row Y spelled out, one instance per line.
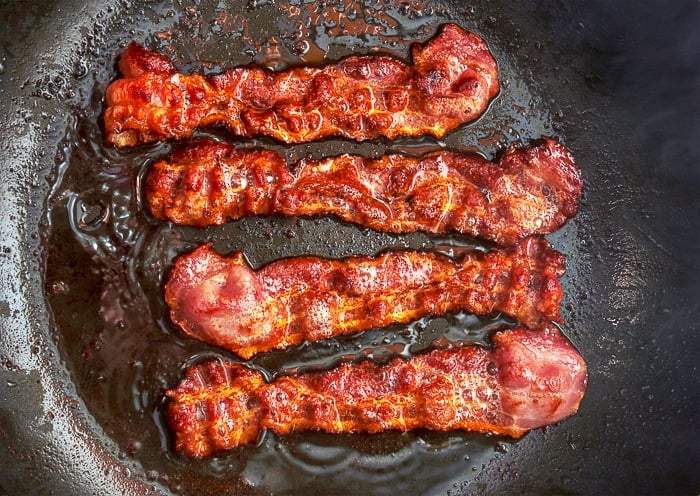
column 106, row 258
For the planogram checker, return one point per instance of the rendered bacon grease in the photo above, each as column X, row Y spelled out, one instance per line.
column 530, row 377
column 450, row 82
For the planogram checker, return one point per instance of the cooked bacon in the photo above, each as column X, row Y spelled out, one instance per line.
column 222, row 301
column 451, row 81
column 529, row 380
column 528, row 191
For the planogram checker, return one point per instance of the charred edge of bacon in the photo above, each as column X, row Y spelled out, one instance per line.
column 451, row 81
column 222, row 301
column 527, row 191
column 529, row 379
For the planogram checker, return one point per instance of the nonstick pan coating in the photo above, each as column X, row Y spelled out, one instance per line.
column 86, row 349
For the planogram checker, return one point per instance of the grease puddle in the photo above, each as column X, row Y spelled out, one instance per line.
column 106, row 258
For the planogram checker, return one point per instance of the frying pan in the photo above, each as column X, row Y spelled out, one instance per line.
column 86, row 349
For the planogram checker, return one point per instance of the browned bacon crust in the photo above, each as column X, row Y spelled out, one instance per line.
column 451, row 81
column 528, row 191
column 529, row 380
column 222, row 301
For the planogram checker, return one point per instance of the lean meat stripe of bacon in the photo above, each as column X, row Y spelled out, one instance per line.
column 528, row 380
column 528, row 191
column 222, row 301
column 450, row 82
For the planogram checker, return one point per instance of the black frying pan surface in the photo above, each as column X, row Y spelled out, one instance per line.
column 86, row 348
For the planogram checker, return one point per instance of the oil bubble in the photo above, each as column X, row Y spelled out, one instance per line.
column 300, row 48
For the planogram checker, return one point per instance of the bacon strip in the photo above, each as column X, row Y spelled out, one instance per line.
column 451, row 81
column 529, row 380
column 528, row 191
column 222, row 301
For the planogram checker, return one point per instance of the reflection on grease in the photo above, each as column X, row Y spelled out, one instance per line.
column 110, row 257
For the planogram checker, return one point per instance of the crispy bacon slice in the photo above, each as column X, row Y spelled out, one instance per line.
column 528, row 191
column 222, row 301
column 530, row 379
column 451, row 81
